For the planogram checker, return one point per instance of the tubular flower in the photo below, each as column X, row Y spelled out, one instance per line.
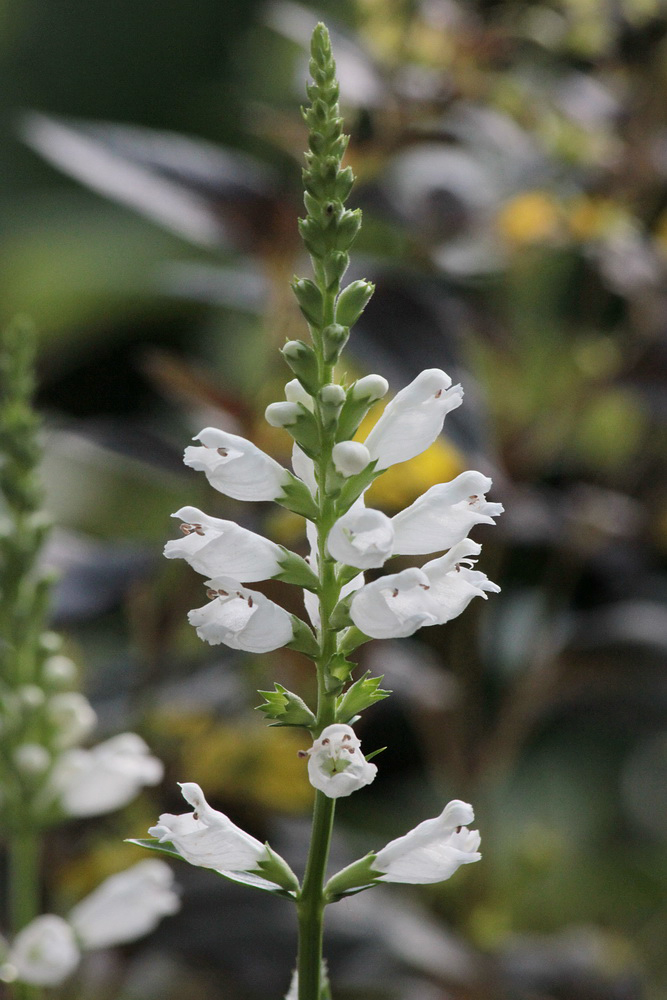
column 362, row 538
column 433, row 850
column 236, row 467
column 413, row 419
column 208, row 838
column 106, row 777
column 397, row 605
column 336, row 765
column 241, row 618
column 444, row 515
column 209, row 543
column 125, row 906
column 454, row 583
column 44, row 952
column 394, row 606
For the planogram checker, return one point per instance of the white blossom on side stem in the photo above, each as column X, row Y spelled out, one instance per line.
column 241, row 618
column 44, row 952
column 444, row 515
column 208, row 838
column 336, row 765
column 394, row 606
column 397, row 605
column 413, row 419
column 104, row 778
column 235, row 466
column 433, row 850
column 126, row 906
column 210, row 543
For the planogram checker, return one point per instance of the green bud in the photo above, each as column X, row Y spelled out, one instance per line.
column 303, row 361
column 335, row 267
column 346, row 232
column 352, row 301
column 309, row 298
column 334, row 339
column 360, row 695
column 312, row 235
column 344, row 183
column 286, row 708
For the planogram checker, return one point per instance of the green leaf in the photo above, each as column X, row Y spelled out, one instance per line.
column 350, row 639
column 355, row 486
column 296, row 570
column 287, row 708
column 337, row 672
column 362, row 694
column 304, row 640
column 297, row 497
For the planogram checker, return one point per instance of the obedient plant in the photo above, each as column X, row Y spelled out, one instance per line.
column 46, row 775
column 331, row 474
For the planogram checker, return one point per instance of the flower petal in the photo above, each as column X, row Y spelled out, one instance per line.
column 235, row 466
column 241, row 619
column 362, row 538
column 211, row 545
column 336, row 765
column 394, row 606
column 433, row 850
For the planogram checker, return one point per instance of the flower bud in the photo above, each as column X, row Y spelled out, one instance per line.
column 73, row 716
column 309, row 298
column 334, row 339
column 31, row 696
column 332, row 398
column 346, row 231
column 352, row 301
column 32, row 758
column 303, row 361
column 59, row 670
column 350, row 457
column 370, row 388
column 283, row 414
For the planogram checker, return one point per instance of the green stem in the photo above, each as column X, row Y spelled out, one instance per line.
column 311, row 901
column 24, row 894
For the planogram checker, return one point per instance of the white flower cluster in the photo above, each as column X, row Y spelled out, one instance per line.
column 123, row 908
column 396, row 604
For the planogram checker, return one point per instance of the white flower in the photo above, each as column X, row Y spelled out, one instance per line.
column 241, row 618
column 397, row 605
column 210, row 544
column 32, row 758
column 44, row 952
column 125, row 906
column 433, row 850
column 413, row 419
column 362, row 538
column 336, row 765
column 207, row 837
column 106, row 777
column 350, row 457
column 236, row 467
column 73, row 716
column 444, row 515
column 453, row 583
column 394, row 606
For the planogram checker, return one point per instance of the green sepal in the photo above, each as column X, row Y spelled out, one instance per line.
column 297, row 497
column 351, row 639
column 331, row 399
column 355, row 878
column 303, row 361
column 353, row 412
column 335, row 267
column 275, row 869
column 337, row 672
column 354, row 486
column 362, row 694
column 353, row 300
column 374, row 753
column 340, row 616
column 242, row 878
column 310, row 300
column 295, row 569
column 286, row 708
column 305, row 431
column 304, row 640
column 313, row 237
column 346, row 573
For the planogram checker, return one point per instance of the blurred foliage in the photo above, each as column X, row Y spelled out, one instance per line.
column 513, row 174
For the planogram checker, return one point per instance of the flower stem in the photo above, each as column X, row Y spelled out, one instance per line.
column 24, row 893
column 311, row 901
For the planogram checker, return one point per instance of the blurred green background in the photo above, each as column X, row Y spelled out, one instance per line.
column 512, row 169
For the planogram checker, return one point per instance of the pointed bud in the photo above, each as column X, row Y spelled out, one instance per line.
column 332, row 398
column 303, row 361
column 309, row 298
column 352, row 301
column 334, row 339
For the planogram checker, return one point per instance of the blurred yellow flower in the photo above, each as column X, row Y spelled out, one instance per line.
column 531, row 217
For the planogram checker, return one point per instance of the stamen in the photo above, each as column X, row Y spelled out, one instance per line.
column 326, row 742
column 302, row 753
column 187, row 529
column 211, row 593
column 438, row 394
column 394, row 592
column 346, row 737
column 425, row 586
column 195, row 815
column 458, row 829
column 250, row 602
column 223, row 452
